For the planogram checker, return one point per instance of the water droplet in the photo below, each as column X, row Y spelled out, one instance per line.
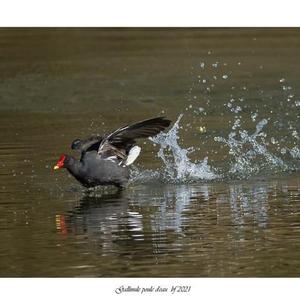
column 295, row 134
column 283, row 151
column 253, row 116
column 202, row 129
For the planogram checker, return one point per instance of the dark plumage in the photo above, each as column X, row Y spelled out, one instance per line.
column 105, row 159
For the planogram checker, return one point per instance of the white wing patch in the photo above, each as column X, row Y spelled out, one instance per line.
column 112, row 158
column 132, row 155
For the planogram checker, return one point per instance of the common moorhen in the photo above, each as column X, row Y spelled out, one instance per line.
column 105, row 159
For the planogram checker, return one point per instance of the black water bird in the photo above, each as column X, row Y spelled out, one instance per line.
column 105, row 159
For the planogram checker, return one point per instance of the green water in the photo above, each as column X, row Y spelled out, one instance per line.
column 60, row 84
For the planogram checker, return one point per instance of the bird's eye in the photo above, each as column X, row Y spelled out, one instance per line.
column 76, row 144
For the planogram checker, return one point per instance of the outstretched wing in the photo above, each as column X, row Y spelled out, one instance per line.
column 120, row 141
column 117, row 145
column 142, row 129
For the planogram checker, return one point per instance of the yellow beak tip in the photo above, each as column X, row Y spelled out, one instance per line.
column 55, row 167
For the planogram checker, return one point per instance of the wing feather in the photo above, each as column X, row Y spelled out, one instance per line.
column 142, row 129
column 117, row 145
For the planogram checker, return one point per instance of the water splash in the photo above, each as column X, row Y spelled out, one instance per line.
column 249, row 151
column 178, row 166
column 245, row 131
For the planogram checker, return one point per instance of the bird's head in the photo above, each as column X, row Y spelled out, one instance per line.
column 76, row 144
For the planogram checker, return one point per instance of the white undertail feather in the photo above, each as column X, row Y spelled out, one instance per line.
column 132, row 155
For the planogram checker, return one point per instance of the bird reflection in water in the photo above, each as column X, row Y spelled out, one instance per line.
column 160, row 217
column 143, row 214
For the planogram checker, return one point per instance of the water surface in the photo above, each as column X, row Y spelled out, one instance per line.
column 217, row 196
